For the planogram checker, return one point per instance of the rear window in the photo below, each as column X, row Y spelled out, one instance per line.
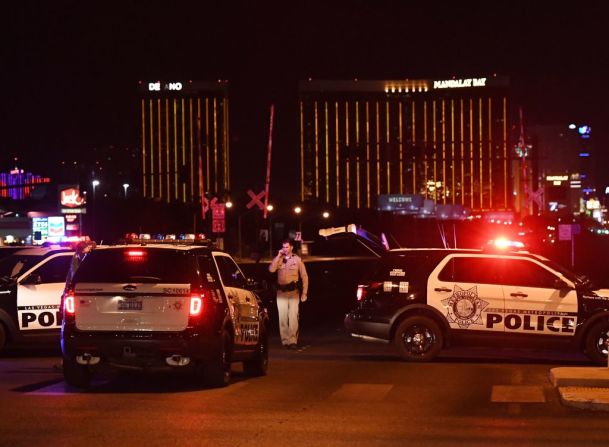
column 141, row 265
column 481, row 270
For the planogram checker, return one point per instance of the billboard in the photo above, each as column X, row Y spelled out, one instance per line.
column 70, row 200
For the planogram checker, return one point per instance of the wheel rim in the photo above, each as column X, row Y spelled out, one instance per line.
column 418, row 340
column 601, row 341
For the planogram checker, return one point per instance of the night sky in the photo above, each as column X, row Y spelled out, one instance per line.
column 70, row 69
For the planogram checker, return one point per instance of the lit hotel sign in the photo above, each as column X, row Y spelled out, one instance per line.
column 171, row 86
column 460, row 83
column 557, row 179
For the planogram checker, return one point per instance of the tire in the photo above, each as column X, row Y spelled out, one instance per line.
column 418, row 339
column 596, row 342
column 258, row 365
column 76, row 375
column 217, row 372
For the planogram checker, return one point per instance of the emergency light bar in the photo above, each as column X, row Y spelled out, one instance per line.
column 326, row 232
column 181, row 239
column 505, row 244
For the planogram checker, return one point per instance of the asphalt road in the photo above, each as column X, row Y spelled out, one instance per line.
column 333, row 391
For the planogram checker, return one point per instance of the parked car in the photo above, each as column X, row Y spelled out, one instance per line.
column 31, row 283
column 166, row 306
column 422, row 299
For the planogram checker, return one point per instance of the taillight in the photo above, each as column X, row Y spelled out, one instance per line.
column 68, row 304
column 135, row 255
column 196, row 304
column 364, row 289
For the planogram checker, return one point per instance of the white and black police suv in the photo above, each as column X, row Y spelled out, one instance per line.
column 155, row 306
column 31, row 283
column 422, row 299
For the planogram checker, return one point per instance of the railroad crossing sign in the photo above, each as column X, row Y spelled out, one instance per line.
column 207, row 203
column 256, row 199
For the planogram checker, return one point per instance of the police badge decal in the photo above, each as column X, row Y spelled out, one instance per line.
column 464, row 307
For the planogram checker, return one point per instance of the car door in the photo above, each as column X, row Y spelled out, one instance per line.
column 534, row 303
column 38, row 301
column 466, row 289
column 242, row 303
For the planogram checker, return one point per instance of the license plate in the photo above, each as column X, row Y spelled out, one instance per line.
column 130, row 304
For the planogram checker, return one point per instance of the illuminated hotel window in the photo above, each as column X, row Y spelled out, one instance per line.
column 398, row 137
column 184, row 140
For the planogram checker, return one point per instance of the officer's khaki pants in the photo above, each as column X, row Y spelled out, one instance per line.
column 287, row 308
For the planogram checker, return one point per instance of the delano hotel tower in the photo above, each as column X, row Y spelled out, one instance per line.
column 184, row 139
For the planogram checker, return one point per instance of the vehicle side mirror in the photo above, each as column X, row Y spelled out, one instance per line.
column 32, row 279
column 560, row 284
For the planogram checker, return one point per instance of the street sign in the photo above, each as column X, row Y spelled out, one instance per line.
column 217, row 226
column 218, row 222
column 567, row 231
column 218, row 211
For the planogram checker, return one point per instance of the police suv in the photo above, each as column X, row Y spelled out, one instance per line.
column 170, row 306
column 421, row 299
column 31, row 283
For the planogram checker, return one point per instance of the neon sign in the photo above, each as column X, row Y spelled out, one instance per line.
column 460, row 83
column 171, row 86
column 71, row 198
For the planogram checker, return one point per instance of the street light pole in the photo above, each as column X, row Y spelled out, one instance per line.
column 239, row 242
column 125, row 186
column 94, row 184
column 269, row 208
column 298, row 211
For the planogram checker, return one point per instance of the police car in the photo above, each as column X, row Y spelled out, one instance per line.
column 162, row 306
column 421, row 299
column 31, row 283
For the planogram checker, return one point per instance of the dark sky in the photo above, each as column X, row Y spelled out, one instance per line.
column 70, row 68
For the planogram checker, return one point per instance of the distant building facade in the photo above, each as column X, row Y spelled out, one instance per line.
column 447, row 140
column 184, row 140
column 20, row 185
column 567, row 166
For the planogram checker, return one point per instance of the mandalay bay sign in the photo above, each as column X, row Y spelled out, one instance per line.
column 460, row 83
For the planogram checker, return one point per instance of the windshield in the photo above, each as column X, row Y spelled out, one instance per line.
column 571, row 276
column 13, row 266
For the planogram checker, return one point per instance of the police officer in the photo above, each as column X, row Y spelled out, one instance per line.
column 289, row 268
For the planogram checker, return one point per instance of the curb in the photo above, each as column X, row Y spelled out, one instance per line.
column 585, row 398
column 585, row 388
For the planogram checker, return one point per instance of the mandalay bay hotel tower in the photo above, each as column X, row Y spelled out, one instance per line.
column 446, row 140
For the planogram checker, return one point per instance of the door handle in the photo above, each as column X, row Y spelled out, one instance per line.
column 442, row 289
column 519, row 294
